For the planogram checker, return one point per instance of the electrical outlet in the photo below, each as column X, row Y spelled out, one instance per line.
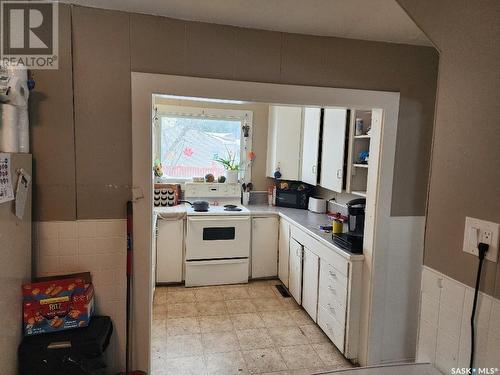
column 477, row 231
column 486, row 236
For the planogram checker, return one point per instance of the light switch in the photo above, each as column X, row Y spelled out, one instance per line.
column 474, row 232
column 477, row 231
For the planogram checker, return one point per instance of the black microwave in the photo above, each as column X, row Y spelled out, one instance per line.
column 293, row 198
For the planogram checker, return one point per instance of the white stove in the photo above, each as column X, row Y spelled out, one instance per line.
column 227, row 209
column 217, row 240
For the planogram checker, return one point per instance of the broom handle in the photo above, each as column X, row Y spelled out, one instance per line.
column 130, row 248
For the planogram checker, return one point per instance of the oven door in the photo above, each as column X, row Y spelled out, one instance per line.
column 217, row 237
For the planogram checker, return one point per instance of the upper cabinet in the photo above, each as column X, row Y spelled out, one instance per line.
column 333, row 148
column 310, row 145
column 284, row 141
column 328, row 147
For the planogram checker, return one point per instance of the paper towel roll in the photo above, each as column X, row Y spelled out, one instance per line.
column 18, row 92
column 18, row 71
column 24, row 130
column 9, row 128
column 14, row 85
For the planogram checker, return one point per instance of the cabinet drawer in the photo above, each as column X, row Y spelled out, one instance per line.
column 323, row 251
column 333, row 329
column 334, row 308
column 331, row 296
column 332, row 275
column 332, row 285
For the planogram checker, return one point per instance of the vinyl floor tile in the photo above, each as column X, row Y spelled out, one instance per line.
column 236, row 329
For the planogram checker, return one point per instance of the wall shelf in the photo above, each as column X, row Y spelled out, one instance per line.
column 357, row 172
column 359, row 165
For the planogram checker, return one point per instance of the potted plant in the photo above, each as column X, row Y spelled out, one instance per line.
column 231, row 167
column 157, row 170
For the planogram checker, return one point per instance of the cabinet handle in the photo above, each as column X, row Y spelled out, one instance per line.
column 313, row 169
column 339, row 173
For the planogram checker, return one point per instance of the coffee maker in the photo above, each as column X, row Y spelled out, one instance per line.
column 352, row 241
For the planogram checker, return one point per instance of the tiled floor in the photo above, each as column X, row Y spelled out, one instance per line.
column 237, row 329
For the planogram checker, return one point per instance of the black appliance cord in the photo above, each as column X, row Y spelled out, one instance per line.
column 483, row 248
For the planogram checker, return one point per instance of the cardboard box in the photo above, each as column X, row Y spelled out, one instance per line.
column 57, row 303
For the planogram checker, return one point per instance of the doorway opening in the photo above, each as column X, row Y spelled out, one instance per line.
column 378, row 208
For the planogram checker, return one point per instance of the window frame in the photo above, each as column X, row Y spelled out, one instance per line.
column 163, row 110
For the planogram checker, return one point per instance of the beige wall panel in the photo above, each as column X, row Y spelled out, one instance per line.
column 304, row 60
column 411, row 70
column 226, row 52
column 233, row 53
column 102, row 112
column 465, row 176
column 52, row 134
column 211, row 50
column 258, row 55
column 157, row 44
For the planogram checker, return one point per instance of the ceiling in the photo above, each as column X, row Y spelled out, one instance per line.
column 380, row 20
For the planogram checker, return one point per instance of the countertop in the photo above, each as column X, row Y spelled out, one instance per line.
column 306, row 220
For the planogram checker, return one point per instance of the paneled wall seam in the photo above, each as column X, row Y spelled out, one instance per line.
column 427, row 196
column 282, row 37
column 74, row 112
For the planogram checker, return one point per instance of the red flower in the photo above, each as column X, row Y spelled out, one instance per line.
column 188, row 151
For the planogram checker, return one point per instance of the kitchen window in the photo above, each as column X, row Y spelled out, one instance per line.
column 187, row 140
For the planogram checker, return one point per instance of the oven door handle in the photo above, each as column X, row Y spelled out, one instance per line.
column 219, row 218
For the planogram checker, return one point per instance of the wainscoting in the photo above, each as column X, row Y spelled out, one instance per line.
column 444, row 330
column 98, row 246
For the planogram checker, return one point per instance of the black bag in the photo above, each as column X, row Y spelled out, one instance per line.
column 75, row 352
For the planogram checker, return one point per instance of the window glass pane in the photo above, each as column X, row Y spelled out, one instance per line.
column 190, row 145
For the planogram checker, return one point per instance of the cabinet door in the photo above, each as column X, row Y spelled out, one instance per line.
column 169, row 246
column 295, row 277
column 272, row 129
column 333, row 146
column 284, row 251
column 310, row 277
column 264, row 247
column 310, row 144
column 285, row 126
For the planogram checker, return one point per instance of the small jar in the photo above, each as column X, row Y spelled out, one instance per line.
column 337, row 226
column 359, row 126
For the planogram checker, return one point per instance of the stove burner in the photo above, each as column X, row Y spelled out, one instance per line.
column 233, row 208
column 230, row 206
column 200, row 210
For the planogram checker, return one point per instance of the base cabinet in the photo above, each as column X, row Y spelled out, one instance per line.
column 295, row 276
column 310, row 278
column 264, row 247
column 169, row 249
column 284, row 251
column 328, row 286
